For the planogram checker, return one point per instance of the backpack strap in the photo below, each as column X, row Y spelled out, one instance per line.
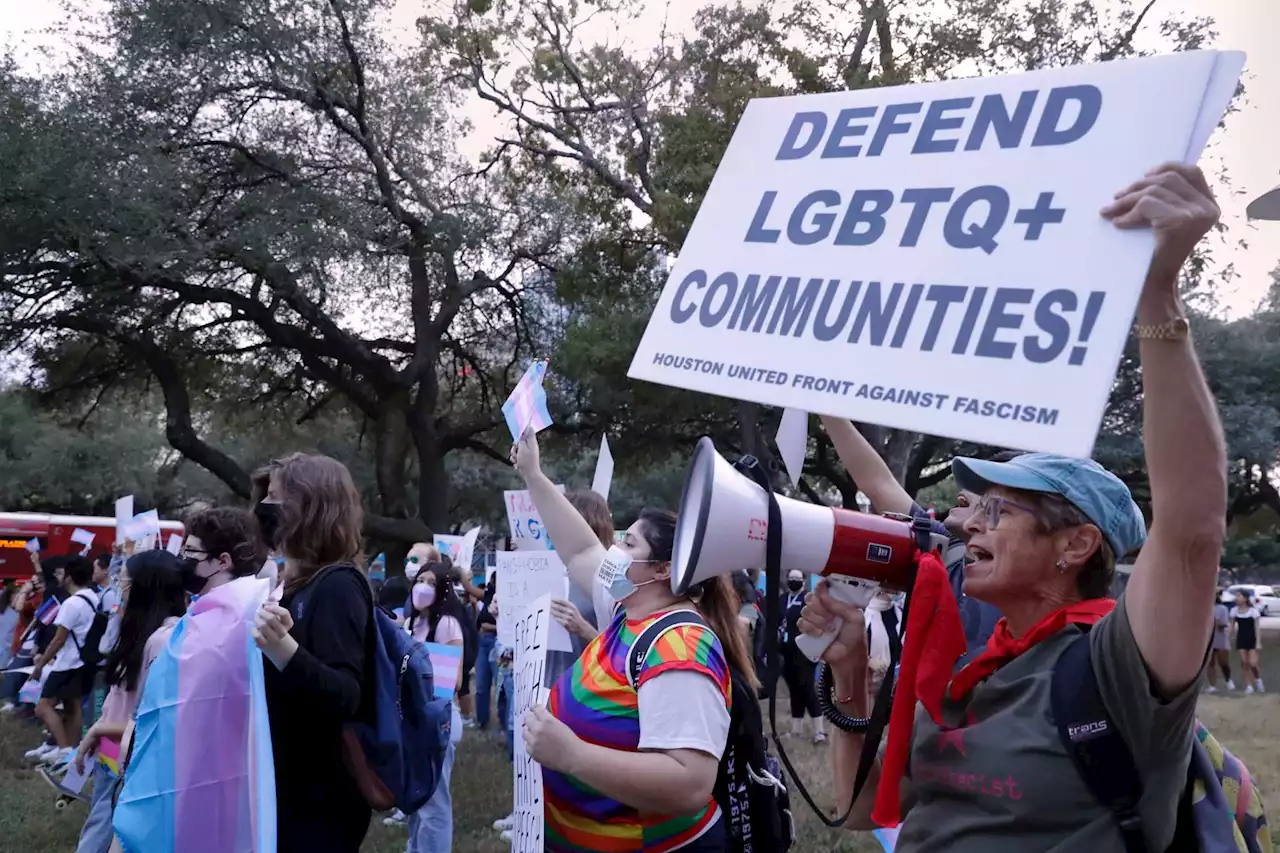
column 1089, row 736
column 649, row 637
column 72, row 634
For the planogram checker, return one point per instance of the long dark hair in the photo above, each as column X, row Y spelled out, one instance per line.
column 715, row 598
column 446, row 601
column 155, row 594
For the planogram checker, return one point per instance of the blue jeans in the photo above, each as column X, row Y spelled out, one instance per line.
column 11, row 682
column 486, row 673
column 96, row 835
column 509, row 691
column 431, row 827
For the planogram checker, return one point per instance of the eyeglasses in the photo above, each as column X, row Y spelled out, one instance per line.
column 201, row 556
column 993, row 507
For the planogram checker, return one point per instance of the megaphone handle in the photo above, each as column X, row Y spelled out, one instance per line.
column 856, row 594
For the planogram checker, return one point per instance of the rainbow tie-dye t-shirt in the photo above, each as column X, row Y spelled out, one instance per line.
column 596, row 701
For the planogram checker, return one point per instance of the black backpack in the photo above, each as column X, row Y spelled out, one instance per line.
column 91, row 650
column 750, row 788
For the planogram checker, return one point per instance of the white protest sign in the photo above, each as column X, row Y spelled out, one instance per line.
column 532, row 624
column 174, row 545
column 793, row 440
column 466, row 550
column 931, row 257
column 604, row 470
column 524, row 577
column 124, row 515
column 527, row 532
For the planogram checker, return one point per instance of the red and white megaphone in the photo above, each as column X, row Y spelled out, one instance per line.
column 723, row 527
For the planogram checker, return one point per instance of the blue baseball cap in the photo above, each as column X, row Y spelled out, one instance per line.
column 1100, row 495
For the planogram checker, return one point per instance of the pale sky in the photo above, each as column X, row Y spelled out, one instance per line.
column 1249, row 147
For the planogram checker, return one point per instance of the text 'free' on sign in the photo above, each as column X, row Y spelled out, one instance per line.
column 931, row 257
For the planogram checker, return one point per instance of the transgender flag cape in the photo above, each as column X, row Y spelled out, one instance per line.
column 201, row 776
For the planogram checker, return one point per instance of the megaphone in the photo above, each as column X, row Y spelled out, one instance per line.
column 724, row 523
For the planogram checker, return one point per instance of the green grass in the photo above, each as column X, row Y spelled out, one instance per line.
column 482, row 782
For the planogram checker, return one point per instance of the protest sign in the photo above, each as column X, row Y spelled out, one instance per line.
column 174, row 546
column 527, row 532
column 124, row 515
column 931, row 257
column 604, row 470
column 464, row 555
column 532, row 623
column 447, row 545
column 792, row 441
column 524, row 577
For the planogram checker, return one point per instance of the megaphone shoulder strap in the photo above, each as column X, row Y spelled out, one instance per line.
column 750, row 467
column 649, row 637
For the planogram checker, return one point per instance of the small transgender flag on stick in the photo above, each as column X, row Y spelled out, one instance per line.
column 527, row 405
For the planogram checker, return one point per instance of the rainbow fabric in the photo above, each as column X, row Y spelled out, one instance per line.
column 202, row 774
column 596, row 701
column 109, row 755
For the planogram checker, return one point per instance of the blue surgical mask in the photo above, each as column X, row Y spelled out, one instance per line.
column 612, row 574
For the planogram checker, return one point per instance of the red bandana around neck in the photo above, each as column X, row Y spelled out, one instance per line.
column 933, row 642
column 1004, row 647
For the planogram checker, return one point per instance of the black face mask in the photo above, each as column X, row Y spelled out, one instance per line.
column 268, row 515
column 795, row 586
column 191, row 580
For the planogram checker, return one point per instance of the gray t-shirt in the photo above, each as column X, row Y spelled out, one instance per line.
column 1221, row 624
column 1000, row 780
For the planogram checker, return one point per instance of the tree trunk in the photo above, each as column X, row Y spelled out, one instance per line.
column 391, row 453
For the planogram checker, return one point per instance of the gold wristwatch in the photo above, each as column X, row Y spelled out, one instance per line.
column 1177, row 329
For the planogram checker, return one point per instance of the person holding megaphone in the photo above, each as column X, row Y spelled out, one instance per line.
column 632, row 766
column 975, row 759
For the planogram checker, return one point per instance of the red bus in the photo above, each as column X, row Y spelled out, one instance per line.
column 54, row 534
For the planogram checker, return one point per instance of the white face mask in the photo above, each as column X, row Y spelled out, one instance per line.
column 612, row 574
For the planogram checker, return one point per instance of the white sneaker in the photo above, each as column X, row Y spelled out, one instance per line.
column 505, row 824
column 8, row 708
column 1248, row 689
column 396, row 818
column 508, row 836
column 39, row 752
column 1231, row 685
column 1210, row 689
column 58, row 757
column 1258, row 683
column 819, row 737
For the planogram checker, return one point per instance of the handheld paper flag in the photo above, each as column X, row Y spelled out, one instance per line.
column 175, row 544
column 603, row 479
column 527, row 405
column 792, row 438
column 33, row 545
column 445, row 662
column 82, row 537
